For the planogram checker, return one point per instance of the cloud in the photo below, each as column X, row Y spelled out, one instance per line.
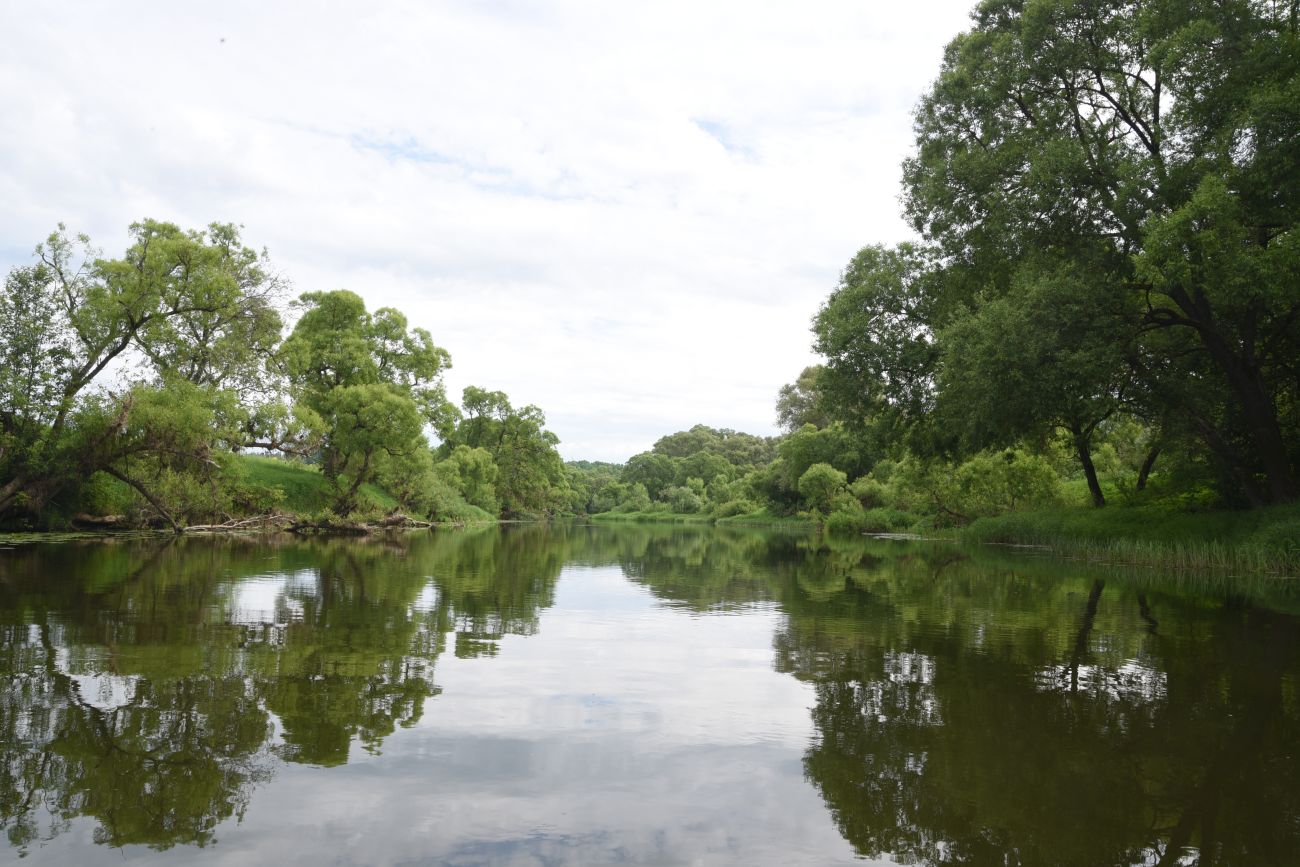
column 624, row 213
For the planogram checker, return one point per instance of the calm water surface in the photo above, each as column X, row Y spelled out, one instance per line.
column 635, row 695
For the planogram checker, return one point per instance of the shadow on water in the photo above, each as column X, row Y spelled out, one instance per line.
column 970, row 706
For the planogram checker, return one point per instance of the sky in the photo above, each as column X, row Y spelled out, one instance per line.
column 624, row 213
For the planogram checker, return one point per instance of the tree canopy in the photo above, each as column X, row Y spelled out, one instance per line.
column 1107, row 199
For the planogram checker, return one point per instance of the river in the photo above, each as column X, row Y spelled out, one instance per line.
column 577, row 694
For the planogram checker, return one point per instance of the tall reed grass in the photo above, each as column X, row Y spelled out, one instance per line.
column 1258, row 542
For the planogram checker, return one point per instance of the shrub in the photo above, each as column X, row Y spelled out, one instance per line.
column 819, row 484
column 869, row 492
column 845, row 520
column 684, row 500
column 735, row 507
column 885, row 520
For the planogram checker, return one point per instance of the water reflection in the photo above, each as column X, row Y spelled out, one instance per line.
column 967, row 707
column 150, row 684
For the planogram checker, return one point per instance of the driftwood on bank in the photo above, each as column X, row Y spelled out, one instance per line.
column 99, row 522
column 358, row 528
column 257, row 522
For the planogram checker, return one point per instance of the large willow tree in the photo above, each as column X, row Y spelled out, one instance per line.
column 128, row 366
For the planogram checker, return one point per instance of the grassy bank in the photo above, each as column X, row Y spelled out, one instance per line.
column 305, row 490
column 1255, row 541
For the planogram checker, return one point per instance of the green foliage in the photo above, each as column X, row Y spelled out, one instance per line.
column 531, row 479
column 683, row 500
column 876, row 332
column 846, row 518
column 1109, row 191
column 870, row 492
column 731, row 508
column 800, row 402
column 409, row 478
column 473, row 473
column 886, row 520
column 653, row 470
column 301, row 487
column 836, row 445
column 990, row 483
column 633, row 498
column 819, row 485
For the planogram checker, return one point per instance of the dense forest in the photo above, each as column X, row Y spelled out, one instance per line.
column 1103, row 302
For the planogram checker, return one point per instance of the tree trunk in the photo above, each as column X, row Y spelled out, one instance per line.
column 1083, row 449
column 26, row 495
column 1258, row 414
column 1260, row 418
column 176, row 528
column 1147, row 465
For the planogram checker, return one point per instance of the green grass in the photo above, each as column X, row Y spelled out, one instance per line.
column 1254, row 541
column 306, row 491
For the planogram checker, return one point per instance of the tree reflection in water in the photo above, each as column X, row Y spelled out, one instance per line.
column 970, row 708
column 144, row 692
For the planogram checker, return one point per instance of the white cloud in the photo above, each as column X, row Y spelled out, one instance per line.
column 624, row 213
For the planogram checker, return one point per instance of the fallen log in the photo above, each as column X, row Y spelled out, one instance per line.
column 98, row 522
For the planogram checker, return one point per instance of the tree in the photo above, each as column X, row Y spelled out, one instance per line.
column 799, row 403
column 656, row 471
column 231, row 326
column 819, row 484
column 530, row 478
column 1167, row 135
column 372, row 383
column 65, row 320
column 1051, row 354
column 877, row 333
column 473, row 473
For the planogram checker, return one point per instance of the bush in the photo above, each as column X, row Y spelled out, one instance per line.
column 683, row 500
column 869, row 492
column 885, row 520
column 846, row 520
column 735, row 507
column 819, row 484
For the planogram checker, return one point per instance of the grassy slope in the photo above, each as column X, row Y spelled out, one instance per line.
column 305, row 489
column 1158, row 534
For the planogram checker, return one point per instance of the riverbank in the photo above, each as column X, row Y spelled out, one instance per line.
column 270, row 493
column 1255, row 541
column 759, row 518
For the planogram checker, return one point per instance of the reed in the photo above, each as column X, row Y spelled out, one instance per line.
column 1259, row 542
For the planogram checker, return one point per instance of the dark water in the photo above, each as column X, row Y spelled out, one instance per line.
column 597, row 695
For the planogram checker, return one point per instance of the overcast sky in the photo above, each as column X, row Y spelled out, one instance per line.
column 625, row 213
